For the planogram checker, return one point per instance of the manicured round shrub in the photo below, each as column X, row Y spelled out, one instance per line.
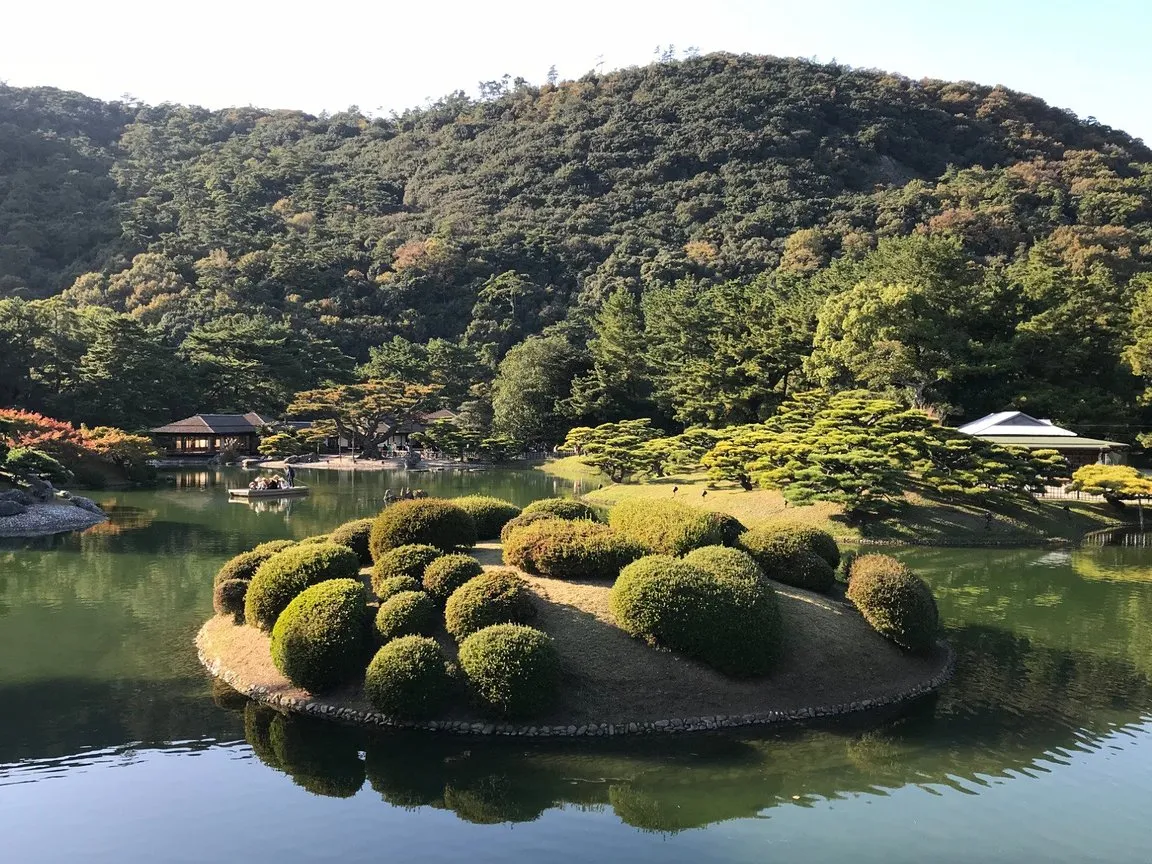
column 244, row 565
column 315, row 538
column 409, row 560
column 563, row 549
column 724, row 562
column 873, row 563
column 489, row 514
column 565, row 508
column 493, row 597
column 665, row 527
column 896, row 602
column 409, row 613
column 228, row 598
column 427, row 521
column 408, row 678
column 354, row 535
column 386, row 588
column 287, row 573
column 732, row 625
column 319, row 641
column 446, row 574
column 794, row 536
column 789, row 557
column 514, row 669
column 522, row 520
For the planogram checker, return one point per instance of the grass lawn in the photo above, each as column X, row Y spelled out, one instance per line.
column 925, row 519
column 571, row 468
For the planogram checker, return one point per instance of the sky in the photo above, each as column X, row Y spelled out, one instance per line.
column 1088, row 56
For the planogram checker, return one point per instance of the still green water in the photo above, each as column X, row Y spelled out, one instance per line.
column 115, row 746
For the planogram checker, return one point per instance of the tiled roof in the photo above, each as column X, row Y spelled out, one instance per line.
column 216, row 424
column 1053, row 442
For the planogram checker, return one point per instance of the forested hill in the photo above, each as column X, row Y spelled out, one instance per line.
column 732, row 184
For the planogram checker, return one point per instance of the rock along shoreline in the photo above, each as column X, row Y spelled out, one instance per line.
column 44, row 519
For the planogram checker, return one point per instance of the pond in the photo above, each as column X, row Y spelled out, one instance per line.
column 116, row 746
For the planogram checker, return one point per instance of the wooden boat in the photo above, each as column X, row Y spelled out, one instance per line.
column 285, row 492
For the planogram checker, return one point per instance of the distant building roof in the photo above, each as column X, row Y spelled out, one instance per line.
column 1053, row 442
column 441, row 414
column 215, row 424
column 1017, row 429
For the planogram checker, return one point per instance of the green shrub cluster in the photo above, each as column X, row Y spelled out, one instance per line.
column 522, row 520
column 392, row 586
column 320, row 639
column 425, row 521
column 489, row 514
column 409, row 560
column 409, row 613
column 449, row 572
column 895, row 601
column 732, row 625
column 29, row 461
column 228, row 598
column 565, row 508
column 514, row 669
column 725, row 562
column 493, row 597
column 408, row 678
column 563, row 549
column 244, row 565
column 315, row 538
column 730, row 528
column 795, row 555
column 354, row 535
column 665, row 527
column 287, row 573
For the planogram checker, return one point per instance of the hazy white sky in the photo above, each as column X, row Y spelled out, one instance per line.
column 1089, row 56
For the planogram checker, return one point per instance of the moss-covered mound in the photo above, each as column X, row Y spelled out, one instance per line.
column 425, row 521
column 354, row 535
column 562, row 549
column 794, row 557
column 319, row 641
column 665, row 527
column 244, row 565
column 489, row 514
column 513, row 669
column 408, row 613
column 279, row 579
column 732, row 625
column 493, row 597
column 565, row 508
column 895, row 601
column 408, row 678
column 409, row 560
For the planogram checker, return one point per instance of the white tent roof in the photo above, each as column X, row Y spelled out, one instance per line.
column 1013, row 423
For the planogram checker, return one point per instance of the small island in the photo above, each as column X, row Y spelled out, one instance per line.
column 664, row 618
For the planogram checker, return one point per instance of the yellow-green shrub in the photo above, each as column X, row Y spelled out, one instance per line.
column 789, row 557
column 320, row 639
column 493, row 597
column 522, row 520
column 725, row 563
column 562, row 549
column 289, row 572
column 565, row 508
column 409, row 560
column 446, row 574
column 244, row 565
column 666, row 527
column 896, row 602
column 386, row 588
column 489, row 514
column 514, row 669
column 354, row 535
column 409, row 613
column 425, row 521
column 408, row 678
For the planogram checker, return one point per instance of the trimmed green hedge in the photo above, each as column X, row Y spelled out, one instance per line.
column 287, row 573
column 732, row 625
column 449, row 572
column 790, row 557
column 228, row 598
column 426, row 521
column 408, row 678
column 514, row 669
column 493, row 597
column 725, row 562
column 565, row 508
column 244, row 565
column 489, row 514
column 522, row 520
column 409, row 613
column 409, row 560
column 354, row 535
column 320, row 639
column 895, row 601
column 386, row 588
column 563, row 549
column 665, row 527
column 798, row 536
column 315, row 538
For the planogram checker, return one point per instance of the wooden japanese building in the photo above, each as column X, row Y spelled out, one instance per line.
column 210, row 434
column 1017, row 429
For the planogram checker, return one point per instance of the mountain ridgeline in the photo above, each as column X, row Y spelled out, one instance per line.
column 688, row 241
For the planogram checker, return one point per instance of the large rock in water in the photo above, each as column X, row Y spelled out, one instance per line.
column 87, row 504
column 11, row 508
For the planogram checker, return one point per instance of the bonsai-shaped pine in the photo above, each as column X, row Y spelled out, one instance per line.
column 1117, row 482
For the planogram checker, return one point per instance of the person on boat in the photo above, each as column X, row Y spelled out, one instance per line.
column 274, row 483
column 291, row 474
column 253, row 484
